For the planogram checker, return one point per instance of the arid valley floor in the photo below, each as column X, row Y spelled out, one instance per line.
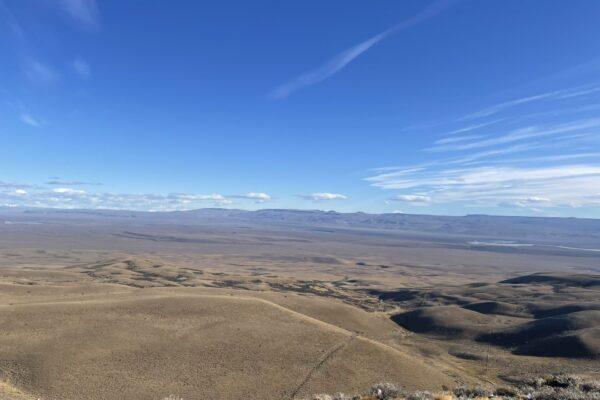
column 276, row 304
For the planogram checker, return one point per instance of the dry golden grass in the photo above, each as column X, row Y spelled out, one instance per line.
column 148, row 329
column 75, row 341
column 10, row 392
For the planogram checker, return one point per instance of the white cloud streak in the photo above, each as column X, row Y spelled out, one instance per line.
column 411, row 198
column 14, row 195
column 13, row 185
column 558, row 164
column 472, row 127
column 346, row 57
column 64, row 182
column 40, row 73
column 575, row 184
column 81, row 68
column 528, row 132
column 257, row 197
column 30, row 120
column 83, row 12
column 554, row 95
column 13, row 24
column 69, row 191
column 457, row 139
column 323, row 196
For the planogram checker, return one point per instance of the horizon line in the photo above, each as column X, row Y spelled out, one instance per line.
column 23, row 208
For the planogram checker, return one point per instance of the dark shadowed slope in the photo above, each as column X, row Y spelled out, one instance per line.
column 447, row 321
column 584, row 343
column 581, row 280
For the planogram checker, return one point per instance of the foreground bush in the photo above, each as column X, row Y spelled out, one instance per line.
column 551, row 387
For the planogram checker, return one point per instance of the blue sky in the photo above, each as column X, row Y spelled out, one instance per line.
column 442, row 107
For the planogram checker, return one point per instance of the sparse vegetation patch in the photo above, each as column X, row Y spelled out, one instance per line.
column 551, row 387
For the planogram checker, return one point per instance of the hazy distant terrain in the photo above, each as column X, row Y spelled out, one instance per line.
column 559, row 231
column 284, row 303
column 512, row 243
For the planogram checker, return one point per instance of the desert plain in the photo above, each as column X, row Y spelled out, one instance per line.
column 282, row 304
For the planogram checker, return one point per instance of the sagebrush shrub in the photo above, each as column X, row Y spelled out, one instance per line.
column 385, row 391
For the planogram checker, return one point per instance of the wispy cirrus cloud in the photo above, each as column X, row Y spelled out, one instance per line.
column 4, row 185
column 81, row 68
column 66, row 182
column 510, row 162
column 14, row 26
column 523, row 133
column 457, row 139
column 83, row 12
column 40, row 73
column 470, row 128
column 561, row 94
column 566, row 185
column 344, row 58
column 486, row 112
column 557, row 157
column 30, row 120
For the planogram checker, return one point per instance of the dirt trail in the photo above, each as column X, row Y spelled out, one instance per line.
column 330, row 353
column 9, row 392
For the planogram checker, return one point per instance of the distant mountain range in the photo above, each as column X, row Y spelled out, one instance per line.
column 507, row 230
